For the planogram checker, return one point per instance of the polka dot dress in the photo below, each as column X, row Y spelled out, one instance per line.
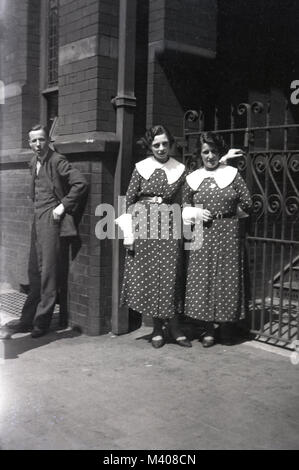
column 152, row 283
column 214, row 290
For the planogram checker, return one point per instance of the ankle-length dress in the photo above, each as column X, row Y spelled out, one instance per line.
column 152, row 282
column 215, row 273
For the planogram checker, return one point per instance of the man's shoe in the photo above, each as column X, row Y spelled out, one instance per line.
column 38, row 332
column 17, row 326
column 62, row 324
column 5, row 333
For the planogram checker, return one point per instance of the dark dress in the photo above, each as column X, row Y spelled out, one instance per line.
column 215, row 274
column 152, row 283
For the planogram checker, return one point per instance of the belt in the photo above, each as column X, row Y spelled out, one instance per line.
column 154, row 199
column 223, row 215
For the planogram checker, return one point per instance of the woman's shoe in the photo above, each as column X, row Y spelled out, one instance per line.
column 183, row 341
column 208, row 341
column 177, row 334
column 227, row 333
column 227, row 342
column 158, row 341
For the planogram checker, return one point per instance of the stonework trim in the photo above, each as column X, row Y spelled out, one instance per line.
column 11, row 90
column 161, row 47
column 78, row 50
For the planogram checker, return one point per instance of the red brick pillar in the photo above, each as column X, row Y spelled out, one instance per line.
column 88, row 49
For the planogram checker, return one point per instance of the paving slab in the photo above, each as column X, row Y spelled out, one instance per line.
column 74, row 392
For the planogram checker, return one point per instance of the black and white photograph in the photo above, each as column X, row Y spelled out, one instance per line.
column 149, row 220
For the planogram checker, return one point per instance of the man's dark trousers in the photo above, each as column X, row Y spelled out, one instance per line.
column 43, row 270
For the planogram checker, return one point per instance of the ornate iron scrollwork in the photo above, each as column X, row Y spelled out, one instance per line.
column 292, row 206
column 243, row 108
column 257, row 107
column 192, row 116
column 274, row 204
column 260, row 162
column 242, row 164
column 258, row 205
column 276, row 163
column 293, row 162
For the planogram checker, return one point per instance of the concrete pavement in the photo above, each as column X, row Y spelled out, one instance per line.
column 70, row 391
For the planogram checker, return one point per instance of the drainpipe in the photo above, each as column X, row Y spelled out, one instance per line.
column 125, row 103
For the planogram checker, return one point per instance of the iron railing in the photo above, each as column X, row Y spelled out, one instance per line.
column 271, row 170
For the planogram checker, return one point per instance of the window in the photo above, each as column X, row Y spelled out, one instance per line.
column 49, row 59
column 53, row 43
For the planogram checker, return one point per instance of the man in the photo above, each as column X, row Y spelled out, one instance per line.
column 57, row 189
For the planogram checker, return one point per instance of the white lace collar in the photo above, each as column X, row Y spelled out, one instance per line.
column 224, row 175
column 172, row 168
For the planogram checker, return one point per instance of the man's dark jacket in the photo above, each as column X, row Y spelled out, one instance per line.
column 67, row 183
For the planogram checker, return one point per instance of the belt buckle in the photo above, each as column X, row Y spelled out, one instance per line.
column 158, row 199
column 218, row 215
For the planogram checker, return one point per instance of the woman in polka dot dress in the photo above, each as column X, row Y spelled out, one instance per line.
column 214, row 290
column 152, row 282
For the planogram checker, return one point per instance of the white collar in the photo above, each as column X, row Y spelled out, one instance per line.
column 172, row 168
column 223, row 175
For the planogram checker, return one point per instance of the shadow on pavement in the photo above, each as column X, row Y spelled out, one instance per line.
column 12, row 348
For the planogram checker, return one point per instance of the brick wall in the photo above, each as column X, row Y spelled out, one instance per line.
column 181, row 35
column 87, row 81
column 19, row 71
column 88, row 66
column 191, row 22
column 141, row 72
column 15, row 216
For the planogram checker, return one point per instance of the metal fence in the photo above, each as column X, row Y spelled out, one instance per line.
column 271, row 170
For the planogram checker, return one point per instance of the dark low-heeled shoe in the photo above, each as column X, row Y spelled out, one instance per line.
column 158, row 343
column 227, row 342
column 208, row 341
column 184, row 342
column 38, row 332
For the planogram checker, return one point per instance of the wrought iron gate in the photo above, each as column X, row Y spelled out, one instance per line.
column 271, row 170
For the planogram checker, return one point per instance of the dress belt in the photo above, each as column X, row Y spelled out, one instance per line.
column 154, row 199
column 223, row 215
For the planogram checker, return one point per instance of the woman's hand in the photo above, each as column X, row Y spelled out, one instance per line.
column 232, row 153
column 206, row 215
column 129, row 243
column 192, row 215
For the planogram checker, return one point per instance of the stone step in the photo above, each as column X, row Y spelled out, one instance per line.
column 286, row 285
column 275, row 302
column 287, row 294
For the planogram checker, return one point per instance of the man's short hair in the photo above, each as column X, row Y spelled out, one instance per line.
column 39, row 127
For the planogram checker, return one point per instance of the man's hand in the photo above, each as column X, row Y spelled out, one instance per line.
column 58, row 211
column 232, row 153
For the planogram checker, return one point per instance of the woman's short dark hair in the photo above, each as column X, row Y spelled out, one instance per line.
column 147, row 140
column 214, row 140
